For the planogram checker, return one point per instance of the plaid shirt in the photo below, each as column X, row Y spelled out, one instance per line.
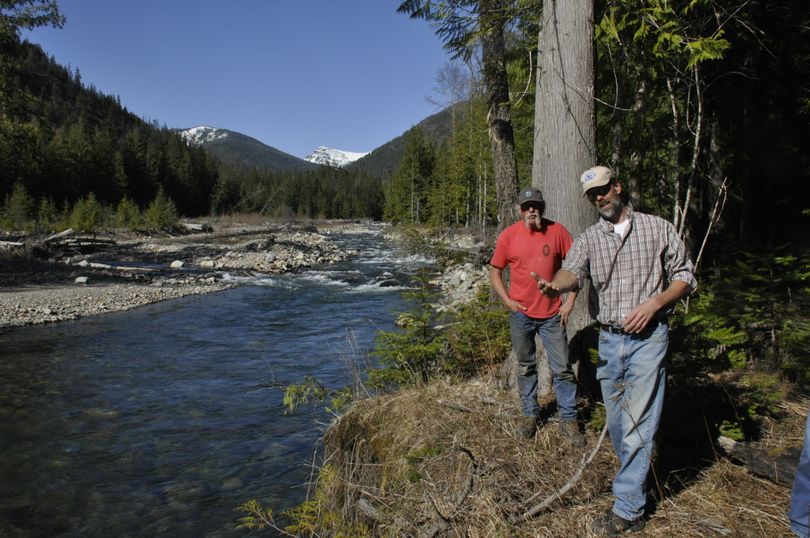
column 627, row 271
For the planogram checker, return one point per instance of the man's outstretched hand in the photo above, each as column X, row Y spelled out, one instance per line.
column 545, row 287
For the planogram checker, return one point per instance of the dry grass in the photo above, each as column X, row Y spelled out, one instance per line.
column 444, row 460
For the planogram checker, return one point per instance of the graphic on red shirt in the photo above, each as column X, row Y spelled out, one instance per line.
column 525, row 251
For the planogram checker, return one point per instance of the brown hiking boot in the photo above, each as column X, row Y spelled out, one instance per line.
column 611, row 524
column 569, row 430
column 526, row 427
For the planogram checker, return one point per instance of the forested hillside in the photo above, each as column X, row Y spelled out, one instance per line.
column 61, row 141
column 70, row 155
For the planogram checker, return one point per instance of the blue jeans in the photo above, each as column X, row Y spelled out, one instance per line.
column 522, row 329
column 632, row 375
column 800, row 495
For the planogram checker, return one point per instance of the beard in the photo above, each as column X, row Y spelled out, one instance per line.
column 612, row 210
column 532, row 223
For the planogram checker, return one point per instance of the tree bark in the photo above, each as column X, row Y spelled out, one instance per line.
column 565, row 132
column 499, row 112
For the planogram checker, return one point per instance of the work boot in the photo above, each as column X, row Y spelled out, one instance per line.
column 611, row 524
column 569, row 430
column 526, row 427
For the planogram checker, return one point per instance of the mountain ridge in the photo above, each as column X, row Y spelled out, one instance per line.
column 240, row 149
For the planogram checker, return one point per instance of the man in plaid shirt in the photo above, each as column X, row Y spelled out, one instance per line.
column 638, row 268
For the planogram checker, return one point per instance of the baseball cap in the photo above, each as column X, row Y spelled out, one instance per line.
column 530, row 194
column 595, row 177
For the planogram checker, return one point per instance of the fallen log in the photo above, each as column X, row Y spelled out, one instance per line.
column 779, row 469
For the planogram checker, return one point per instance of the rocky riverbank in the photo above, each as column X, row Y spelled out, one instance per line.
column 85, row 276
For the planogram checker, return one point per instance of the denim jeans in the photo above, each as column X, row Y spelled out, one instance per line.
column 632, row 375
column 522, row 329
column 800, row 495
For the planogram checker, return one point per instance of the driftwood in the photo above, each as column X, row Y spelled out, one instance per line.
column 11, row 245
column 59, row 235
column 194, row 227
column 779, row 469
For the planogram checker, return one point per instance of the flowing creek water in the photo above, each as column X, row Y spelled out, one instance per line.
column 162, row 420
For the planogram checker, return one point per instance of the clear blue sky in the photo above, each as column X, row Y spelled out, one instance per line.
column 294, row 74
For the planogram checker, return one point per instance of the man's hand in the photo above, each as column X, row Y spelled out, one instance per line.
column 545, row 287
column 514, row 306
column 565, row 311
column 638, row 319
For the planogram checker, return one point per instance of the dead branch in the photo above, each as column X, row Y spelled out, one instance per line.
column 717, row 210
column 444, row 520
column 568, row 486
column 456, row 406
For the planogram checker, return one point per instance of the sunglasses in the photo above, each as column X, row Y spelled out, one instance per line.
column 596, row 192
column 528, row 205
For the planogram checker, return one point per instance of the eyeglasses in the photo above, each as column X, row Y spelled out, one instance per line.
column 596, row 192
column 529, row 205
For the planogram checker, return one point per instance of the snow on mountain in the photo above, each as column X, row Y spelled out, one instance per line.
column 333, row 157
column 203, row 134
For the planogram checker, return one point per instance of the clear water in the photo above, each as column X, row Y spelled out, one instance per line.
column 162, row 420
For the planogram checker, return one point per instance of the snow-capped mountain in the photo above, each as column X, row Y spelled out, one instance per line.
column 203, row 134
column 333, row 157
column 237, row 148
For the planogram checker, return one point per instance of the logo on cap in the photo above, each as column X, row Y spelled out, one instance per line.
column 527, row 193
column 589, row 175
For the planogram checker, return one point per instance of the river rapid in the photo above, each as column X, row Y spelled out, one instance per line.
column 162, row 420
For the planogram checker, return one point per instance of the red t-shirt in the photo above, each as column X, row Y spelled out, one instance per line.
column 524, row 251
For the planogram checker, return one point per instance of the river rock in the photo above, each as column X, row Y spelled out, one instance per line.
column 176, row 264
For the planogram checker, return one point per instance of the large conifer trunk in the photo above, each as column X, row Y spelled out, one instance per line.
column 565, row 137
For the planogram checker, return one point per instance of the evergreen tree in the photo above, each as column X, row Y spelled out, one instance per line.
column 406, row 196
column 127, row 214
column 87, row 214
column 161, row 212
column 47, row 214
column 18, row 208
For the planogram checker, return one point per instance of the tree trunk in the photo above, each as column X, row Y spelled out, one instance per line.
column 499, row 113
column 565, row 133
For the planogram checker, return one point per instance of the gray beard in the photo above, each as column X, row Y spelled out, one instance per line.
column 613, row 210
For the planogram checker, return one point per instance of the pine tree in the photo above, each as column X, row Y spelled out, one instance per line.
column 406, row 195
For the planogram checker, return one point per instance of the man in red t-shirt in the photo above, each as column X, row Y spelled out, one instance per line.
column 537, row 245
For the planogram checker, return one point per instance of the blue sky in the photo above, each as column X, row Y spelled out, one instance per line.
column 294, row 74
